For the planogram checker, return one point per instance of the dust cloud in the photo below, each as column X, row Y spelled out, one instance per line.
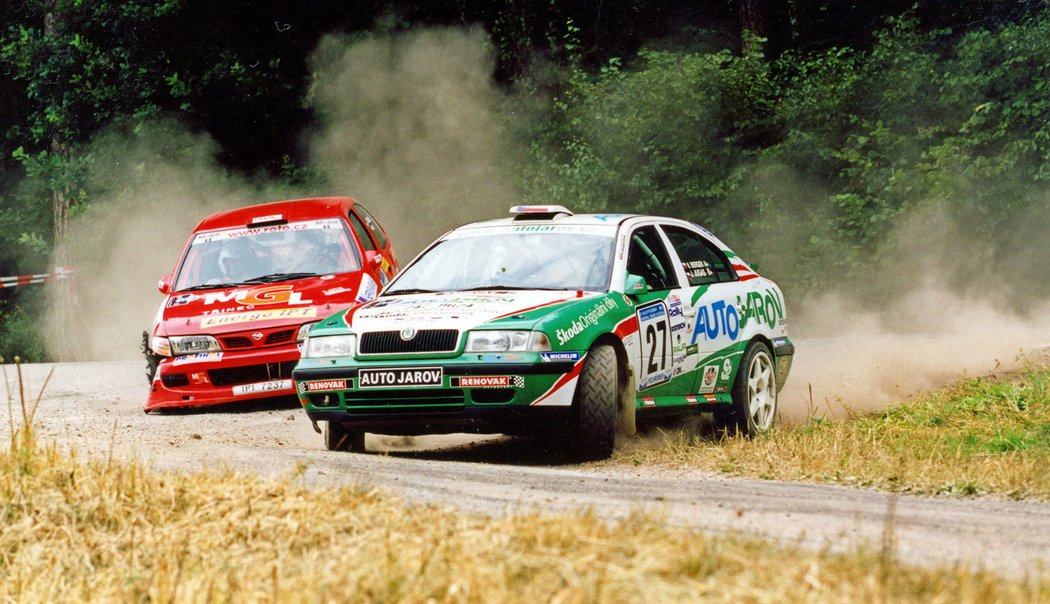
column 942, row 305
column 407, row 124
column 410, row 124
column 154, row 187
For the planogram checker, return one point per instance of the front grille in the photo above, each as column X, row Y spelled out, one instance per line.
column 273, row 338
column 492, row 395
column 175, row 380
column 236, row 342
column 323, row 399
column 235, row 376
column 279, row 337
column 426, row 340
column 388, row 398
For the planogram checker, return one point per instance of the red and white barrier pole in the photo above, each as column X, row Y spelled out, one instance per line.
column 61, row 272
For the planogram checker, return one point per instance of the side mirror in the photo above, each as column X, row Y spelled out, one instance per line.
column 635, row 285
column 372, row 257
column 164, row 285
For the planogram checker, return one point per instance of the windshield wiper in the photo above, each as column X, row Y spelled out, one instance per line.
column 399, row 292
column 193, row 288
column 509, row 288
column 274, row 277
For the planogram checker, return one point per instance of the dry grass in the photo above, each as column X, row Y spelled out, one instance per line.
column 95, row 530
column 987, row 435
column 87, row 530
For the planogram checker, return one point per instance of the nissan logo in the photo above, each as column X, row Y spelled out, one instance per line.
column 257, row 336
column 408, row 333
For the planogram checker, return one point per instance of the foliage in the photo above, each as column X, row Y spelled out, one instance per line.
column 20, row 333
column 818, row 159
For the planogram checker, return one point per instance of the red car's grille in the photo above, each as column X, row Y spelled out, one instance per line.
column 271, row 339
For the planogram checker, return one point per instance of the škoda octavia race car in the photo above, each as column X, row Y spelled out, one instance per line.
column 249, row 285
column 555, row 324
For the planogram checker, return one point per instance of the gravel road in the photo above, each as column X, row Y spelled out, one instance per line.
column 96, row 408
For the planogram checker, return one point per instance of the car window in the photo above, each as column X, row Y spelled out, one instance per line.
column 648, row 258
column 267, row 254
column 361, row 232
column 702, row 261
column 373, row 226
column 512, row 260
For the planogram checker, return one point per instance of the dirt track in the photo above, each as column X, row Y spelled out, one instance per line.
column 96, row 408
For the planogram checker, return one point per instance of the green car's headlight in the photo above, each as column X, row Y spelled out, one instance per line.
column 329, row 346
column 193, row 344
column 507, row 341
column 304, row 331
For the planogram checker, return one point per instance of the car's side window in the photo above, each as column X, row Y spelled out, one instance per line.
column 373, row 225
column 361, row 232
column 648, row 258
column 702, row 261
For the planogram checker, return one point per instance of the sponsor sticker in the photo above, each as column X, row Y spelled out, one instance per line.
column 258, row 315
column 710, row 376
column 200, row 357
column 368, row 289
column 489, row 381
column 408, row 377
column 727, row 368
column 325, row 385
column 553, row 357
column 271, row 386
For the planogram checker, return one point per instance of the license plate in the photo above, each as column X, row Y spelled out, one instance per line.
column 408, row 377
column 272, row 386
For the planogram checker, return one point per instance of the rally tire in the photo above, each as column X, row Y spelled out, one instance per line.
column 338, row 438
column 754, row 393
column 596, row 404
column 152, row 360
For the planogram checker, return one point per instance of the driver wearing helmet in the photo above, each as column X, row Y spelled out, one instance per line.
column 238, row 262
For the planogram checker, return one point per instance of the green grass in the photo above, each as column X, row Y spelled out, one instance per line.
column 983, row 436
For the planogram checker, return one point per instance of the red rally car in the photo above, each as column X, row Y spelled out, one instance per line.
column 249, row 285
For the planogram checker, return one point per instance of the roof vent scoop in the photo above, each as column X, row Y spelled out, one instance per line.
column 538, row 212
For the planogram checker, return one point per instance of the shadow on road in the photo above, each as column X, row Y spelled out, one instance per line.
column 263, row 404
column 541, row 451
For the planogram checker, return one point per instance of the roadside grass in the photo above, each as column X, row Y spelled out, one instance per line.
column 92, row 530
column 75, row 529
column 983, row 436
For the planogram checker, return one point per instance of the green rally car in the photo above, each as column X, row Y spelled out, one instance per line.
column 552, row 323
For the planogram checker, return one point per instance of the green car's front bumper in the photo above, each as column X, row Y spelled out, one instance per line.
column 493, row 397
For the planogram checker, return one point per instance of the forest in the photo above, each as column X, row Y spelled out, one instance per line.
column 865, row 148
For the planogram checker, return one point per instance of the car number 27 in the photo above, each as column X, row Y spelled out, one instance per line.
column 654, row 333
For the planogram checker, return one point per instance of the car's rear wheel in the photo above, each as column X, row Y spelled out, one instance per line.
column 596, row 404
column 338, row 438
column 754, row 394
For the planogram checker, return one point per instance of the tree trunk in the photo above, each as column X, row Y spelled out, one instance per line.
column 61, row 294
column 768, row 19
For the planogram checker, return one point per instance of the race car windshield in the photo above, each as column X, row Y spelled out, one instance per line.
column 268, row 254
column 560, row 261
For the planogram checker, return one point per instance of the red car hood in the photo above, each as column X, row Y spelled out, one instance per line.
column 226, row 310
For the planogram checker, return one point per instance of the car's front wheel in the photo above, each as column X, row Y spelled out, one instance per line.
column 338, row 438
column 152, row 360
column 754, row 394
column 596, row 404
